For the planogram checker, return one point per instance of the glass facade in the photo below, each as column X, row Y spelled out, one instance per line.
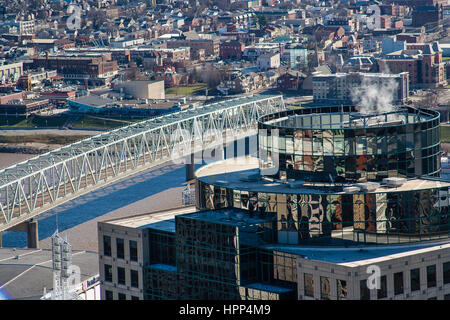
column 218, row 259
column 388, row 217
column 323, row 144
column 329, row 148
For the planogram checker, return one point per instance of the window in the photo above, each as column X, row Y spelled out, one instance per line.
column 431, row 276
column 324, row 288
column 415, row 279
column 341, row 286
column 120, row 248
column 134, row 298
column 134, row 276
column 108, row 272
column 121, row 275
column 446, row 272
column 122, row 296
column 108, row 295
column 133, row 251
column 107, row 246
column 363, row 290
column 447, row 296
column 398, row 283
column 382, row 292
column 309, row 285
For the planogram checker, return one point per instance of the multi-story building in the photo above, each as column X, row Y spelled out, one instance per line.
column 11, row 72
column 339, row 88
column 333, row 195
column 290, row 81
column 19, row 27
column 211, row 46
column 35, row 78
column 26, row 26
column 93, row 67
column 252, row 52
column 239, row 82
column 231, row 49
column 295, row 56
column 359, row 63
column 423, row 61
column 268, row 61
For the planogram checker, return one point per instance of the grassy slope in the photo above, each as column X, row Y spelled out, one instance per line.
column 186, row 91
column 445, row 134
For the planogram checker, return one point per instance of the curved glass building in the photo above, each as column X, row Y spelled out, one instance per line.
column 335, row 176
column 340, row 144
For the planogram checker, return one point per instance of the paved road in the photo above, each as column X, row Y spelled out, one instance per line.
column 8, row 159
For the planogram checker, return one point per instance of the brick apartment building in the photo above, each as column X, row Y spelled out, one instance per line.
column 290, row 81
column 392, row 10
column 211, row 47
column 422, row 61
column 231, row 49
column 96, row 68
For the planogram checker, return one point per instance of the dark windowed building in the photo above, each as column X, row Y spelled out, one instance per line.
column 338, row 205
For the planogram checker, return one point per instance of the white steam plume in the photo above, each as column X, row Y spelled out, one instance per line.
column 375, row 97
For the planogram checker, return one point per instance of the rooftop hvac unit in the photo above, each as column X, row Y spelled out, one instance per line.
column 351, row 189
column 394, row 182
column 368, row 186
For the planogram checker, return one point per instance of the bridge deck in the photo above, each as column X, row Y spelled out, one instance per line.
column 43, row 182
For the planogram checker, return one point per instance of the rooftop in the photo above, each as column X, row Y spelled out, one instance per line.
column 354, row 257
column 227, row 173
column 162, row 220
column 344, row 117
column 232, row 217
column 92, row 100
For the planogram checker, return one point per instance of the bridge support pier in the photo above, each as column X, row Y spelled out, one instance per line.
column 31, row 228
column 190, row 168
